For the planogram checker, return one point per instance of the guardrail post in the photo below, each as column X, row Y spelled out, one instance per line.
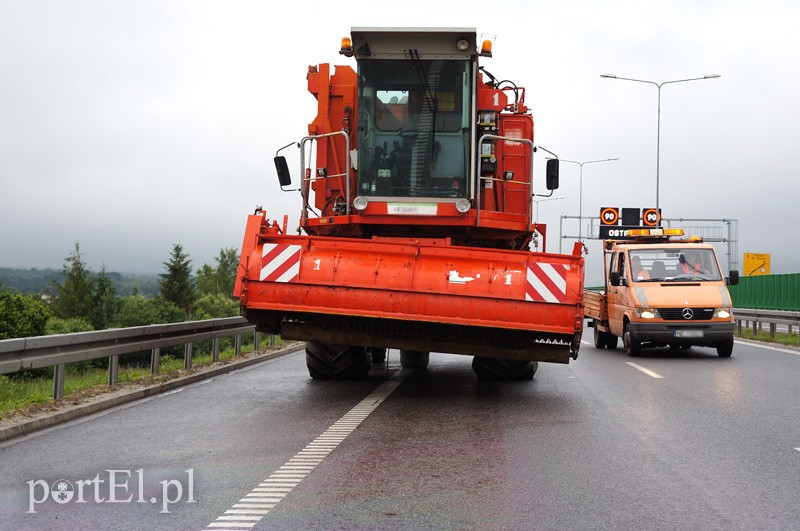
column 255, row 341
column 155, row 360
column 187, row 356
column 272, row 340
column 772, row 327
column 738, row 327
column 113, row 370
column 237, row 344
column 755, row 328
column 215, row 350
column 58, row 382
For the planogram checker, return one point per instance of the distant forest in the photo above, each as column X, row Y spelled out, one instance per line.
column 40, row 281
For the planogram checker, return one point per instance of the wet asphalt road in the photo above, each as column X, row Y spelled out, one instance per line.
column 680, row 440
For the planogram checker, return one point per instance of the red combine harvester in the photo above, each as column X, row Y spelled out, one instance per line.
column 417, row 219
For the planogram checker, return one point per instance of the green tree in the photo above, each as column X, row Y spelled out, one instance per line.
column 221, row 277
column 104, row 301
column 73, row 298
column 215, row 305
column 22, row 316
column 177, row 284
column 56, row 325
column 136, row 310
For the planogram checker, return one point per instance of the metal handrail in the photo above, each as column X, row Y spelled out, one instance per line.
column 481, row 178
column 58, row 350
column 304, row 192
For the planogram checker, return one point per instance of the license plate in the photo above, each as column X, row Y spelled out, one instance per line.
column 688, row 333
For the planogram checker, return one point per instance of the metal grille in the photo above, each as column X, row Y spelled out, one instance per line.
column 677, row 314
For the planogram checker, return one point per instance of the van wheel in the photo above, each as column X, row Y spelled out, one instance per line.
column 599, row 337
column 725, row 349
column 632, row 345
column 611, row 341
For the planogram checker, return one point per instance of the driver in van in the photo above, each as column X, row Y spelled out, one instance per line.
column 688, row 266
column 637, row 271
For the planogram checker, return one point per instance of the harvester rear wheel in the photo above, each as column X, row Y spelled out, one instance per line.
column 336, row 362
column 503, row 369
column 378, row 354
column 414, row 359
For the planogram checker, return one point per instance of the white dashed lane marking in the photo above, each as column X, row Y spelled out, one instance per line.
column 248, row 511
column 646, row 371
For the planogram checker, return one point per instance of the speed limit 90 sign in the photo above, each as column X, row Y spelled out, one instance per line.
column 651, row 217
column 609, row 216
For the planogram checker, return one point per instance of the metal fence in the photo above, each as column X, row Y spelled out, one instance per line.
column 755, row 319
column 58, row 350
column 767, row 292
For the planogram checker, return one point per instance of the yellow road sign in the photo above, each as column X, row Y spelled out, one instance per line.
column 756, row 264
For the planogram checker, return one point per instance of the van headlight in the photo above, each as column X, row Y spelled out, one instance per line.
column 722, row 313
column 646, row 313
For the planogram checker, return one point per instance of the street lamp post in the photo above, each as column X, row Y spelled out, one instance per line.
column 536, row 216
column 658, row 131
column 580, row 190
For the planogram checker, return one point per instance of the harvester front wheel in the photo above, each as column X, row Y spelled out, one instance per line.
column 503, row 369
column 336, row 362
column 414, row 359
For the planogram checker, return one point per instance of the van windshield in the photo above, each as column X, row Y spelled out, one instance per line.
column 674, row 265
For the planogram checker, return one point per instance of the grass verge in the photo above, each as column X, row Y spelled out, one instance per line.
column 781, row 338
column 29, row 396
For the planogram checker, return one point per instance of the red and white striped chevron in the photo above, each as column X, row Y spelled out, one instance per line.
column 546, row 282
column 280, row 262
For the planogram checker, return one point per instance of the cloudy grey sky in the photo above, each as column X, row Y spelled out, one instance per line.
column 128, row 126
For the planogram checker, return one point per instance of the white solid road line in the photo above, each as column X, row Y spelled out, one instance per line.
column 243, row 515
column 646, row 371
column 768, row 347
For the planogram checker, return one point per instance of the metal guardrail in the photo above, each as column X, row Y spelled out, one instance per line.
column 755, row 318
column 58, row 350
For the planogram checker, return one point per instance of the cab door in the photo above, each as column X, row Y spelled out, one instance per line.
column 618, row 297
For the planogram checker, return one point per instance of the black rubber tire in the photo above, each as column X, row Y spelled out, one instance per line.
column 336, row 362
column 503, row 369
column 378, row 355
column 414, row 359
column 725, row 348
column 611, row 341
column 632, row 346
column 599, row 337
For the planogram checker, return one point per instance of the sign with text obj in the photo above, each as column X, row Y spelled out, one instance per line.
column 614, row 221
column 756, row 264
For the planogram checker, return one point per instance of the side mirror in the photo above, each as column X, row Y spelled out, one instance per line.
column 284, row 177
column 552, row 174
column 613, row 278
column 734, row 278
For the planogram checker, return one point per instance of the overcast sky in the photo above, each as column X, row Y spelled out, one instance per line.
column 131, row 126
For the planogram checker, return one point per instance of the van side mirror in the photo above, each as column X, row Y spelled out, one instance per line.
column 613, row 278
column 734, row 278
column 552, row 174
column 284, row 177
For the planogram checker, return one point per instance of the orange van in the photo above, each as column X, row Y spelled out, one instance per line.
column 662, row 292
